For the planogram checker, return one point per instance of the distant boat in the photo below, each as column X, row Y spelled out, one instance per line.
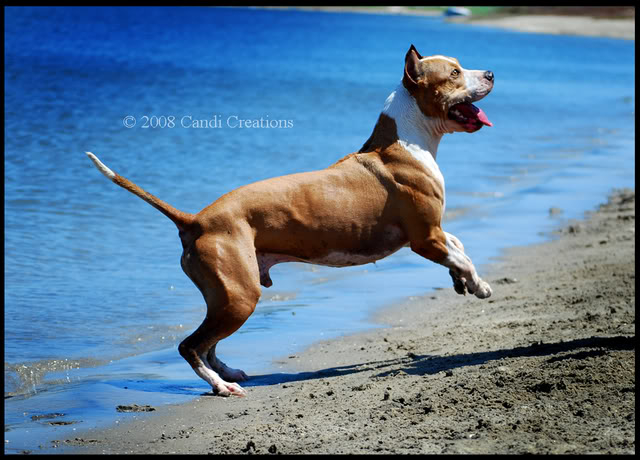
column 457, row 11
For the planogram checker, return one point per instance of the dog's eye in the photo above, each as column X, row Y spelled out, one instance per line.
column 455, row 73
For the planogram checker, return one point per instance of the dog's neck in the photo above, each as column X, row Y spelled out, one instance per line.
column 417, row 132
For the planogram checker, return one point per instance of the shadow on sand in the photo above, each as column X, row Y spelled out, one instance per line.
column 432, row 364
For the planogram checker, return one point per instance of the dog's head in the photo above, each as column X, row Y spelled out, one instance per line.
column 444, row 90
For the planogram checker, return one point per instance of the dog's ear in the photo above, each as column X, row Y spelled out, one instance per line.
column 411, row 68
column 413, row 48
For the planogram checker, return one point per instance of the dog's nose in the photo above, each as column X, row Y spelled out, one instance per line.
column 488, row 75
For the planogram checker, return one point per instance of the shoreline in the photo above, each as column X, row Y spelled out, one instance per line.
column 555, row 24
column 561, row 25
column 546, row 365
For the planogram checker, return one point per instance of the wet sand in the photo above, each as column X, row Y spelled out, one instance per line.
column 546, row 365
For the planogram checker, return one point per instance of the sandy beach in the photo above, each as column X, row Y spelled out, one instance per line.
column 624, row 28
column 612, row 22
column 545, row 366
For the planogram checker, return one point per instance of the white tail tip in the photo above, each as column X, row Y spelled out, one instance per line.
column 101, row 167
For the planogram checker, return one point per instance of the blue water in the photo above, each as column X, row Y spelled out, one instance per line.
column 95, row 299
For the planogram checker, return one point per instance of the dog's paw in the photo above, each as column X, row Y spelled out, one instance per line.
column 483, row 291
column 229, row 389
column 227, row 373
column 236, row 375
column 459, row 284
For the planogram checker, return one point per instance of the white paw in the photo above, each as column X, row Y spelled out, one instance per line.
column 483, row 291
column 229, row 389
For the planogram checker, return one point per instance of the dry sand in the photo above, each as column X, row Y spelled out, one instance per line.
column 576, row 23
column 546, row 365
column 562, row 25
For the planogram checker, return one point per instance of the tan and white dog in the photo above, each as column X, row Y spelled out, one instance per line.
column 365, row 207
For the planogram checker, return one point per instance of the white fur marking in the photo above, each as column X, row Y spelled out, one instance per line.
column 346, row 259
column 414, row 132
column 444, row 58
column 461, row 263
column 217, row 383
column 458, row 258
column 101, row 167
column 471, row 81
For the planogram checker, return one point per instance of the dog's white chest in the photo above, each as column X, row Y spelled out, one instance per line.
column 425, row 158
column 414, row 132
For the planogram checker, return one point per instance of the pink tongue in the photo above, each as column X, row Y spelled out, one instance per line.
column 483, row 117
column 471, row 111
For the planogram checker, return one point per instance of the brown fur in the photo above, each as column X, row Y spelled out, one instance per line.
column 435, row 84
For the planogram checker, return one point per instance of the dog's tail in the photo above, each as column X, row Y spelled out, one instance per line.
column 182, row 219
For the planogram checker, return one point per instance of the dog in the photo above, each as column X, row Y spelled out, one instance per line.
column 366, row 206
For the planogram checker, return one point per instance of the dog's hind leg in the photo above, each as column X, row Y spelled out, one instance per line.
column 226, row 272
column 227, row 373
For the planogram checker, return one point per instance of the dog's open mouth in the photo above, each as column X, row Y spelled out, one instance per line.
column 469, row 116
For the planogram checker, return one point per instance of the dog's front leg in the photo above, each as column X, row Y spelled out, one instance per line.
column 459, row 284
column 462, row 270
column 445, row 249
